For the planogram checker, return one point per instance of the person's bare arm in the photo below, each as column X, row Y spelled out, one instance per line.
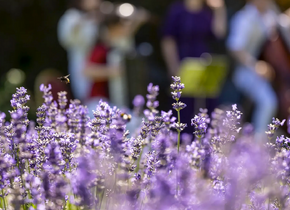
column 244, row 58
column 260, row 67
column 219, row 25
column 169, row 51
column 287, row 12
column 101, row 72
column 140, row 17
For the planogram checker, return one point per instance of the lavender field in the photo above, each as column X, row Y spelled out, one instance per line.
column 67, row 161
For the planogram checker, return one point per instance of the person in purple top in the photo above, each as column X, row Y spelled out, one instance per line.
column 187, row 30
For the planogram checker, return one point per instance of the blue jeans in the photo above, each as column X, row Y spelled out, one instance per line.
column 260, row 91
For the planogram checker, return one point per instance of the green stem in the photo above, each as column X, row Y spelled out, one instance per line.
column 139, row 159
column 178, row 145
column 95, row 194
column 4, row 202
column 176, row 182
column 178, row 138
column 107, row 203
column 69, row 205
column 115, row 177
column 19, row 168
column 101, row 199
column 64, row 206
column 28, row 166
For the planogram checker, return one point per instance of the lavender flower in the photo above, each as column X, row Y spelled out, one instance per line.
column 41, row 114
column 151, row 164
column 68, row 161
column 20, row 98
column 177, row 87
column 178, row 105
column 83, row 180
column 179, row 126
column 152, row 103
column 138, row 101
column 276, row 123
column 62, row 100
column 200, row 123
column 138, row 104
column 196, row 154
column 47, row 95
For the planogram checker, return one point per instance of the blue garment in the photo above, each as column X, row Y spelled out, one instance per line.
column 249, row 32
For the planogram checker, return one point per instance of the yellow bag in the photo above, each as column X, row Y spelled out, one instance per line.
column 203, row 77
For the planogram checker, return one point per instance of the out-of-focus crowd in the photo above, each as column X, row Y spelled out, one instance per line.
column 99, row 39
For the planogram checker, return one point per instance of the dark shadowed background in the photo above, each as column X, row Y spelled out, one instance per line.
column 28, row 40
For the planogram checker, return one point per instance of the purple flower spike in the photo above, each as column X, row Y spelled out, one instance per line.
column 178, row 106
column 200, row 124
column 2, row 119
column 177, row 87
column 276, row 123
column 179, row 126
column 47, row 95
column 152, row 104
column 62, row 100
column 153, row 90
column 19, row 99
column 166, row 117
column 138, row 101
column 66, row 160
column 41, row 114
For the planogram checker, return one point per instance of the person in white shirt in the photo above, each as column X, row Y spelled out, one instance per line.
column 77, row 33
column 250, row 28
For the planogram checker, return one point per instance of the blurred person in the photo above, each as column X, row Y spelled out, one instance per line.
column 287, row 12
column 106, row 66
column 189, row 26
column 259, row 29
column 97, row 67
column 78, row 30
column 121, row 40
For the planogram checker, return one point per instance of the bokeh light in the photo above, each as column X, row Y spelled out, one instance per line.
column 206, row 59
column 15, row 76
column 126, row 10
column 145, row 49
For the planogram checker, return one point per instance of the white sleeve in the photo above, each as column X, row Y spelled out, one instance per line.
column 115, row 57
column 239, row 32
column 69, row 36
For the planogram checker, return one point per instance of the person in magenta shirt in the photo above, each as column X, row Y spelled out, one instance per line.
column 188, row 28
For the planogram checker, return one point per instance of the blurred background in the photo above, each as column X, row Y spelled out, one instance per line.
column 30, row 46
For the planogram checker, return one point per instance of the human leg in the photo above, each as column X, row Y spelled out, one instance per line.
column 261, row 93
